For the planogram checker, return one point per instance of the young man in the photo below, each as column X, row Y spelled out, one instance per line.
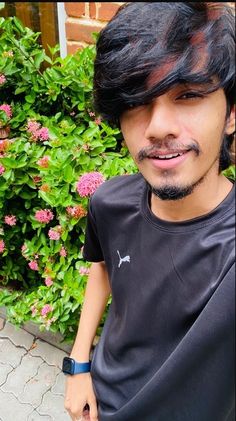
column 162, row 241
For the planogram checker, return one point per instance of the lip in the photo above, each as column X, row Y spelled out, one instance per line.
column 167, row 164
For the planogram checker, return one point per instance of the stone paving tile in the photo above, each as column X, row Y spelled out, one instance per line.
column 52, row 355
column 36, row 387
column 53, row 405
column 59, row 386
column 18, row 336
column 5, row 369
column 12, row 409
column 9, row 354
column 21, row 375
column 35, row 416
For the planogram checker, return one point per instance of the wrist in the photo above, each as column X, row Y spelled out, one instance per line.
column 71, row 366
column 80, row 356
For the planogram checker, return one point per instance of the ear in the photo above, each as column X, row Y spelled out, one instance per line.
column 230, row 124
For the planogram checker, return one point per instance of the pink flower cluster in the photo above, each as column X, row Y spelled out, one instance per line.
column 49, row 322
column 33, row 265
column 63, row 252
column 47, row 308
column 48, row 281
column 84, row 271
column 7, row 108
column 37, row 132
column 55, row 233
column 2, row 246
column 4, row 145
column 43, row 162
column 2, row 169
column 2, row 79
column 10, row 220
column 34, row 310
column 88, row 183
column 37, row 179
column 44, row 216
column 76, row 211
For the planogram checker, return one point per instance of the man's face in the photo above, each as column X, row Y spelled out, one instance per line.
column 176, row 140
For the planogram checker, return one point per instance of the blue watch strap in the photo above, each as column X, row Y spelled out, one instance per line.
column 82, row 367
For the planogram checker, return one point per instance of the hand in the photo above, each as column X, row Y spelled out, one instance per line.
column 79, row 393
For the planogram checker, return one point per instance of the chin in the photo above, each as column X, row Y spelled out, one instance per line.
column 171, row 191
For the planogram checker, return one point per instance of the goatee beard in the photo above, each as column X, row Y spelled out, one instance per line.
column 171, row 192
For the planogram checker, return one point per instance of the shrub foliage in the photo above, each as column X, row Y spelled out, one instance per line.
column 54, row 152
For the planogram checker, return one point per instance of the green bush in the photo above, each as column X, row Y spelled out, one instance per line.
column 55, row 141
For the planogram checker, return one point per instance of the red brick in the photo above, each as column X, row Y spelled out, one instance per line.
column 81, row 31
column 72, row 47
column 75, row 9
column 102, row 10
column 92, row 10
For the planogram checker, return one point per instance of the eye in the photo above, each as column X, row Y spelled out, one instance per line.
column 133, row 106
column 191, row 95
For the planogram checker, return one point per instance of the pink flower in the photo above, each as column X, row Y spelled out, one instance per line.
column 37, row 179
column 85, row 147
column 76, row 211
column 24, row 250
column 53, row 234
column 2, row 246
column 43, row 133
column 33, row 127
column 43, row 162
column 98, row 120
column 2, row 79
column 84, row 271
column 46, row 309
column 10, row 220
column 63, row 252
column 50, row 321
column 48, row 281
column 2, row 169
column 4, row 145
column 33, row 310
column 88, row 183
column 44, row 216
column 7, row 109
column 33, row 265
column 91, row 114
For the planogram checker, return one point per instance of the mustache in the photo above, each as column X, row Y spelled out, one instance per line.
column 168, row 147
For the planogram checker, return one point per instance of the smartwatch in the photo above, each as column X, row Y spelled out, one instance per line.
column 70, row 366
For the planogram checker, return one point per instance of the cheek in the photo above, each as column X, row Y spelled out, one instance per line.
column 133, row 131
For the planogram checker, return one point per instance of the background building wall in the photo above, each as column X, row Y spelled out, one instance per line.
column 85, row 18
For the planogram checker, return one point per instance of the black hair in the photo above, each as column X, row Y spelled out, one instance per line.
column 169, row 43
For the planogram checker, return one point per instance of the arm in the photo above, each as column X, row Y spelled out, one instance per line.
column 79, row 390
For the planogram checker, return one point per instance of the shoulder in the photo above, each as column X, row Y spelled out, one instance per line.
column 118, row 190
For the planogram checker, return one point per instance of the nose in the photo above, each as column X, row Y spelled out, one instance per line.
column 163, row 121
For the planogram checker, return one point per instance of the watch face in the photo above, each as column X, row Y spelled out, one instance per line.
column 68, row 366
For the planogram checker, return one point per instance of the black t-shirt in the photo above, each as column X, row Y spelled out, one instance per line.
column 167, row 348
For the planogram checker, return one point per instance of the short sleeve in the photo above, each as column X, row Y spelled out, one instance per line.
column 92, row 251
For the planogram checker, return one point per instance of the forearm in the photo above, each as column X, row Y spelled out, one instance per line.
column 96, row 296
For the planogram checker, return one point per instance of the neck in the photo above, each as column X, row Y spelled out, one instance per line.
column 205, row 197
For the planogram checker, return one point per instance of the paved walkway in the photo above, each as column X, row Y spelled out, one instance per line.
column 31, row 381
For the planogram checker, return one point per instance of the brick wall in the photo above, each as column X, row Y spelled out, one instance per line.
column 85, row 18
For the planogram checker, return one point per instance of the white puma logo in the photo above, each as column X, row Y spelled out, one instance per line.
column 123, row 259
